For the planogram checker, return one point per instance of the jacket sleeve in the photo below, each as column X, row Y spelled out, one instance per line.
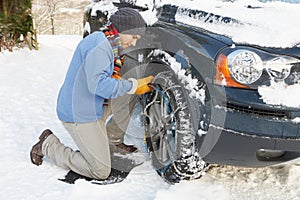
column 98, row 68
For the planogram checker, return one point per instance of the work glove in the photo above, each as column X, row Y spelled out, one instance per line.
column 143, row 86
column 140, row 86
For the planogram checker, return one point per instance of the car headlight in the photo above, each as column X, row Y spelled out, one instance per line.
column 280, row 67
column 239, row 68
column 245, row 66
column 249, row 68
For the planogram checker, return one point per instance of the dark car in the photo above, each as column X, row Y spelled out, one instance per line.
column 206, row 106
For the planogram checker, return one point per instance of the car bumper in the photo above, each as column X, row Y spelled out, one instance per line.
column 248, row 137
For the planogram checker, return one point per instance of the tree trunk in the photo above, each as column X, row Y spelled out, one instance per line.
column 52, row 25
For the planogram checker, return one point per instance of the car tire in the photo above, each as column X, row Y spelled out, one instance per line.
column 170, row 132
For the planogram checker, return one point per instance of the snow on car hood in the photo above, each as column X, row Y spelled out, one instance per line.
column 269, row 24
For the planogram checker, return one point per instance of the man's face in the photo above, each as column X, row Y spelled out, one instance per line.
column 128, row 40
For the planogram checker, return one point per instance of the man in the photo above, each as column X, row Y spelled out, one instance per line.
column 93, row 78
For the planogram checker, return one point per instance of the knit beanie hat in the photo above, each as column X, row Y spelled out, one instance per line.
column 128, row 21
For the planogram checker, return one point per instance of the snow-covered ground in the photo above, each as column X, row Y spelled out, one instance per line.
column 29, row 83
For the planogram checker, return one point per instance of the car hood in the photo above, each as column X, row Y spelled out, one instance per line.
column 291, row 51
column 268, row 24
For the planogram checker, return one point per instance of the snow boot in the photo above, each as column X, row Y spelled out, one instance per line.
column 127, row 148
column 36, row 154
column 123, row 148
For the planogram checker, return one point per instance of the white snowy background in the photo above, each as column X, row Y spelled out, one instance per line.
column 29, row 84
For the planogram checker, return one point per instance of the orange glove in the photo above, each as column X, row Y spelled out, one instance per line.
column 143, row 87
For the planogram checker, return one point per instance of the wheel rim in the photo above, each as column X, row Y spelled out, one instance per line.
column 162, row 129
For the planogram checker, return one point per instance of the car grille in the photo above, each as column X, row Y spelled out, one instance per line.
column 260, row 112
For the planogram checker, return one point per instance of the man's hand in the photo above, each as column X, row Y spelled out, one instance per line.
column 143, row 87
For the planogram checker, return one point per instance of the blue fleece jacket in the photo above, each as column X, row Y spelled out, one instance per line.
column 88, row 81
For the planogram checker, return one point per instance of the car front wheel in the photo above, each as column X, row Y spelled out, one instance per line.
column 170, row 136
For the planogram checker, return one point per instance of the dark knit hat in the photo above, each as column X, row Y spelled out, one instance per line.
column 128, row 21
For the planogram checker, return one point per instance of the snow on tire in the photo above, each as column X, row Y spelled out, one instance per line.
column 170, row 135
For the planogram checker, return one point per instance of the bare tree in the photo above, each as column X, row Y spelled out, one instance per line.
column 52, row 6
column 44, row 14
